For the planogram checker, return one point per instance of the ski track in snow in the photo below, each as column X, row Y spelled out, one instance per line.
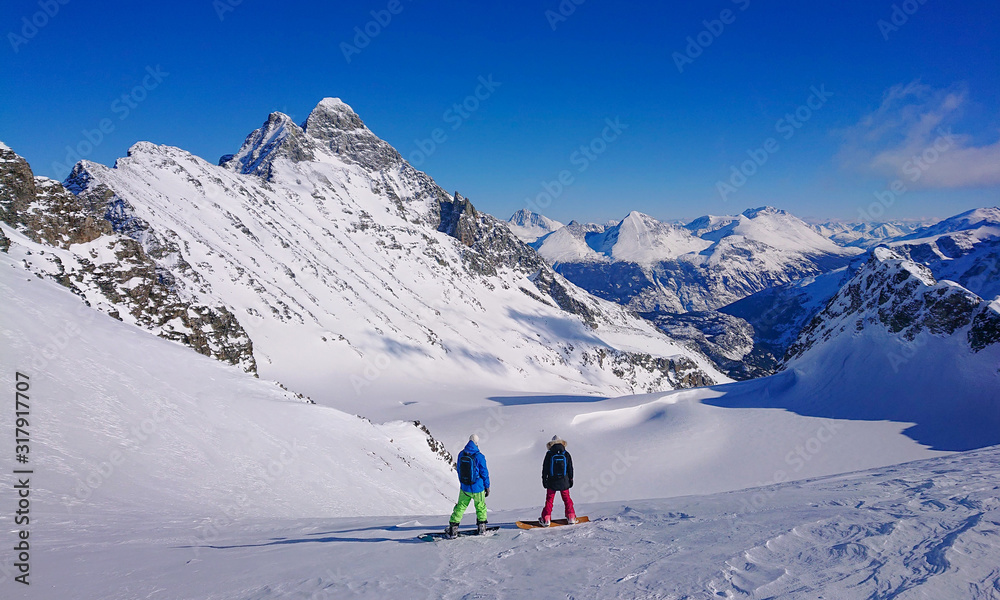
column 928, row 529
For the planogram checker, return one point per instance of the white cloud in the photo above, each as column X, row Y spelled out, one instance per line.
column 910, row 137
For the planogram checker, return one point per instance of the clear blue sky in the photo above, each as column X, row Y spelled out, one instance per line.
column 892, row 87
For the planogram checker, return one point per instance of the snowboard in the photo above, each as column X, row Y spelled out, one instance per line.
column 440, row 535
column 555, row 523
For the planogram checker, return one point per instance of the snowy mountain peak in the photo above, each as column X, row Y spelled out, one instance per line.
column 278, row 136
column 333, row 251
column 335, row 105
column 332, row 113
column 753, row 213
column 526, row 218
column 332, row 127
column 890, row 257
column 143, row 148
column 980, row 218
column 638, row 219
column 904, row 298
column 335, row 126
column 529, row 226
column 708, row 263
column 979, row 215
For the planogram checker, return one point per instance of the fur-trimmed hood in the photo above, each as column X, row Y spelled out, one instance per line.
column 555, row 440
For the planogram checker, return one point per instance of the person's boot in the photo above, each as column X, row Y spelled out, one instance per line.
column 451, row 531
column 544, row 521
column 481, row 527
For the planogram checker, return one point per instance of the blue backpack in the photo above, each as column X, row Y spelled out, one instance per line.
column 557, row 465
column 467, row 472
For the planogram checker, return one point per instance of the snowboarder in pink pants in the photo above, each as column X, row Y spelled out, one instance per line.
column 557, row 476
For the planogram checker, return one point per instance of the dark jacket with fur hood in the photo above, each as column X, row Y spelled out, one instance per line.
column 557, row 483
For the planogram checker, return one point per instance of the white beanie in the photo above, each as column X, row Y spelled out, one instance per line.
column 474, row 439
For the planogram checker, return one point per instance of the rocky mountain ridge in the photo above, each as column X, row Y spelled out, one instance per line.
column 323, row 247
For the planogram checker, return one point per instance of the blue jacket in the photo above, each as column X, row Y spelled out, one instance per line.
column 484, row 474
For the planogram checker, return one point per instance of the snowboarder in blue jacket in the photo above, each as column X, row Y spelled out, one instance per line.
column 474, row 478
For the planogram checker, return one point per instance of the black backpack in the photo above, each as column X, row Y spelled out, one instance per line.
column 557, row 465
column 467, row 474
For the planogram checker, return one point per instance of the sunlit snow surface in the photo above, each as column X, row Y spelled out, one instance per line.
column 238, row 489
column 928, row 529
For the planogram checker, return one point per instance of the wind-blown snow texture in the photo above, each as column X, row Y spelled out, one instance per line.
column 913, row 531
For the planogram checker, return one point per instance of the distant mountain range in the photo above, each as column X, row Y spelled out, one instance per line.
column 741, row 288
column 317, row 244
column 652, row 266
column 317, row 256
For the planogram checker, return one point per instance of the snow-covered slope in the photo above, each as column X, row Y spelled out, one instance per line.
column 982, row 223
column 964, row 249
column 337, row 262
column 905, row 347
column 653, row 267
column 122, row 422
column 920, row 530
column 529, row 226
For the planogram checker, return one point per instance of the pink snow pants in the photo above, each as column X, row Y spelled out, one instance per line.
column 550, row 496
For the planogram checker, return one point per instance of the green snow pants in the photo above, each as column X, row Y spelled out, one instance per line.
column 463, row 503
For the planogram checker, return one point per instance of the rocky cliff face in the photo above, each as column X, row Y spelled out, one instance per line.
column 43, row 209
column 904, row 299
column 729, row 341
column 964, row 249
column 340, row 260
column 84, row 243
